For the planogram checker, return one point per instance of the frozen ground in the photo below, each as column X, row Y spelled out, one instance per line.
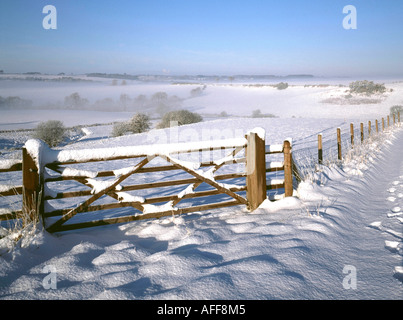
column 340, row 237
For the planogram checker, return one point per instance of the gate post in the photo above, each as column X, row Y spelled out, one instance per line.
column 256, row 169
column 30, row 186
column 288, row 164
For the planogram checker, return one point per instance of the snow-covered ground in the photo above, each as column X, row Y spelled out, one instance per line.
column 339, row 237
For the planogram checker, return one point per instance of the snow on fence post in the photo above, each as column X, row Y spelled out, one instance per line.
column 320, row 150
column 288, row 188
column 256, row 168
column 338, row 144
column 30, row 186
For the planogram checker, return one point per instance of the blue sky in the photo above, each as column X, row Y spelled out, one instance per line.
column 203, row 37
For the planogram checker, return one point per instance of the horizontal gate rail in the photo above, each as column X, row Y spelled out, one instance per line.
column 10, row 190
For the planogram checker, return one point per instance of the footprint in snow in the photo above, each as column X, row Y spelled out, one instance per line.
column 378, row 226
column 399, row 273
column 391, row 215
column 396, row 211
column 394, row 247
column 391, row 199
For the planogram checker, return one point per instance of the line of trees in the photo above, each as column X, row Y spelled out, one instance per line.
column 14, row 103
column 159, row 102
column 141, row 122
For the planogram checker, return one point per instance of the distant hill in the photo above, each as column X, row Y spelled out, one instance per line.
column 195, row 77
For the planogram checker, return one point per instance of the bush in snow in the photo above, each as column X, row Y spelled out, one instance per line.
column 52, row 132
column 139, row 123
column 181, row 117
column 196, row 92
column 367, row 87
column 258, row 114
column 396, row 109
column 119, row 129
column 281, row 85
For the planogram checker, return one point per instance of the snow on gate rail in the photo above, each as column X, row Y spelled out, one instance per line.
column 58, row 177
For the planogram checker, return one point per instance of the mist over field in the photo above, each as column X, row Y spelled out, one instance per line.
column 23, row 98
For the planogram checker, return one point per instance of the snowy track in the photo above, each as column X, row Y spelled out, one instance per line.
column 371, row 208
column 390, row 222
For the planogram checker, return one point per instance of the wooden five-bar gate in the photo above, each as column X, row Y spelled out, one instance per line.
column 45, row 170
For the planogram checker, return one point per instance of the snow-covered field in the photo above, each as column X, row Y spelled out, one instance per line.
column 314, row 98
column 339, row 237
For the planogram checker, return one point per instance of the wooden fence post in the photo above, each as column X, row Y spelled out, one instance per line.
column 320, row 150
column 398, row 117
column 339, row 144
column 388, row 121
column 30, row 186
column 362, row 132
column 383, row 124
column 376, row 126
column 288, row 187
column 394, row 119
column 369, row 128
column 352, row 134
column 256, row 170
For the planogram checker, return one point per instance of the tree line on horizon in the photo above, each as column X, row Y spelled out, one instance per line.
column 158, row 103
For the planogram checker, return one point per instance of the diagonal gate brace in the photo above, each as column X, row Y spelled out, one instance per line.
column 207, row 180
column 85, row 204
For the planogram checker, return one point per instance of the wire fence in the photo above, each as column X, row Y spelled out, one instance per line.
column 307, row 153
